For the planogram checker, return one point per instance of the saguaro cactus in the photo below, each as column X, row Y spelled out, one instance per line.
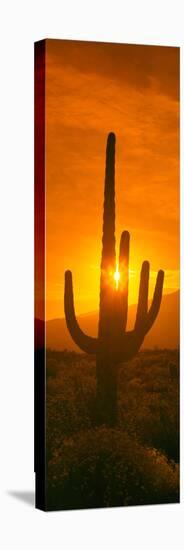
column 114, row 345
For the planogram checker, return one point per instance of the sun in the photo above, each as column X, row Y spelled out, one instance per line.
column 117, row 277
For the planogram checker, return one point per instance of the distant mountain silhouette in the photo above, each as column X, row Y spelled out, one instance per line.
column 164, row 333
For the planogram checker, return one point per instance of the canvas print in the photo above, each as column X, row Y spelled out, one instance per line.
column 106, row 274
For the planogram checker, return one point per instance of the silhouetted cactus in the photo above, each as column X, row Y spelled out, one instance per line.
column 113, row 345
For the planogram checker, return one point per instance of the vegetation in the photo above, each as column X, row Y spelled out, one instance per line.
column 134, row 463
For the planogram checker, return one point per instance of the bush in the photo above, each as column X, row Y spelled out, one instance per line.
column 106, row 467
column 70, row 402
column 149, row 402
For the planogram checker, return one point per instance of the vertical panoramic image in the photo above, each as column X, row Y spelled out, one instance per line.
column 112, row 274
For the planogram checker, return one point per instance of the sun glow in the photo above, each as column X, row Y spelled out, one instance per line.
column 117, row 277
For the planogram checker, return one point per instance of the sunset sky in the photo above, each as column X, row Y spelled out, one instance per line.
column 92, row 89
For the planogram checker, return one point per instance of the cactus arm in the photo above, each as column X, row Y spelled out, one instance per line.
column 128, row 345
column 145, row 318
column 142, row 307
column 156, row 302
column 86, row 343
column 123, row 271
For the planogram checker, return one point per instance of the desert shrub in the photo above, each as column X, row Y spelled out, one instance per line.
column 52, row 368
column 149, row 402
column 105, row 467
column 173, row 370
column 70, row 402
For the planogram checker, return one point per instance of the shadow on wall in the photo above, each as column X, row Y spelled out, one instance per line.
column 26, row 496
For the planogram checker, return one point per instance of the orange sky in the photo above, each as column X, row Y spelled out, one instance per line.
column 92, row 89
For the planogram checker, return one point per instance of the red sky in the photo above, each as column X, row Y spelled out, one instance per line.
column 92, row 89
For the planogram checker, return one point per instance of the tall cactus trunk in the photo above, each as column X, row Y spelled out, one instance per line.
column 106, row 394
column 106, row 370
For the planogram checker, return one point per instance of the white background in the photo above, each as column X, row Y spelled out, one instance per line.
column 21, row 23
